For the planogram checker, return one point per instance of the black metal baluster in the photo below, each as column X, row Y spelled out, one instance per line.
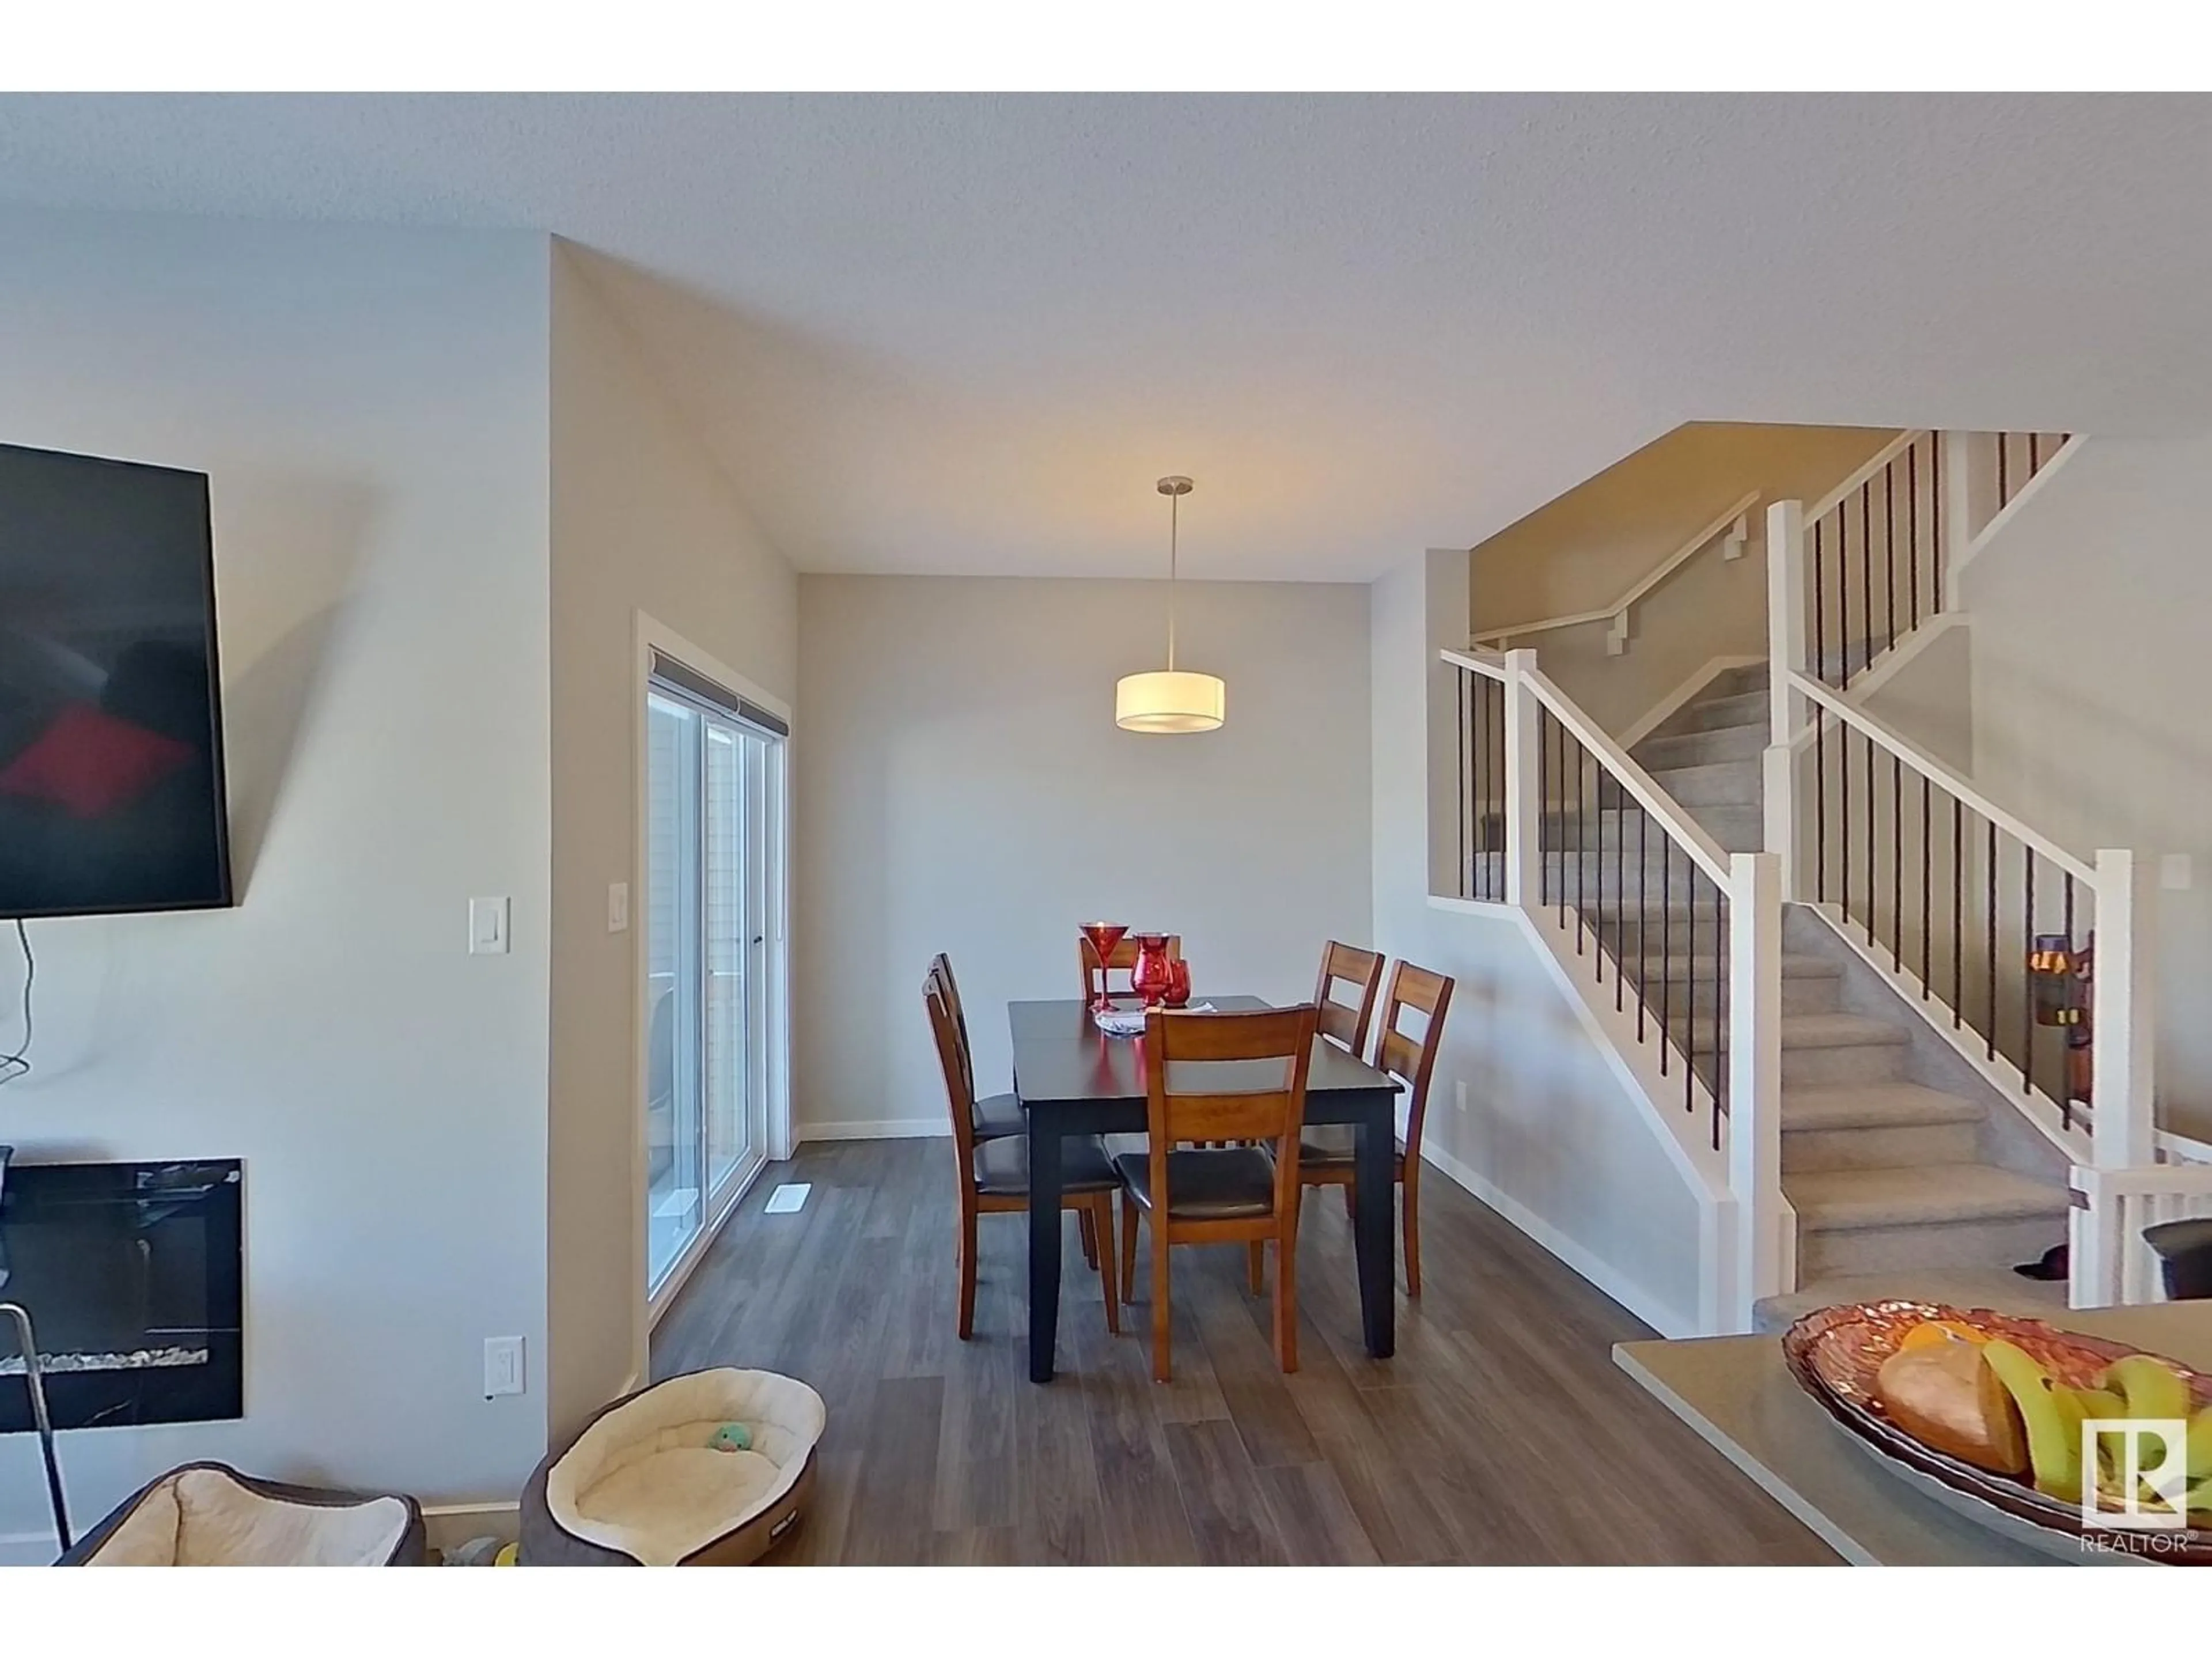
column 1957, row 915
column 1889, row 544
column 1990, row 1034
column 1820, row 730
column 1665, row 950
column 1843, row 815
column 1841, row 672
column 2004, row 448
column 1581, row 909
column 1466, row 881
column 1559, row 833
column 1896, row 863
column 1873, row 867
column 1690, row 991
column 1619, row 901
column 2066, row 1046
column 1597, row 929
column 1935, row 518
column 2034, row 454
column 1927, row 915
column 2026, row 979
column 1866, row 576
column 1719, row 970
column 1643, row 943
column 1912, row 535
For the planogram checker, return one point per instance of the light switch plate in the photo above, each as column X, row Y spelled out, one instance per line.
column 2174, row 873
column 618, row 906
column 502, row 1363
column 488, row 924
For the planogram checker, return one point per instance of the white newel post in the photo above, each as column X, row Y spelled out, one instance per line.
column 2123, row 1128
column 1524, row 786
column 1766, row 1250
column 1786, row 655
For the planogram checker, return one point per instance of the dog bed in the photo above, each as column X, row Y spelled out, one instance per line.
column 642, row 1485
column 209, row 1515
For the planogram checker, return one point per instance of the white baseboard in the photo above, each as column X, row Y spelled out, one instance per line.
column 1667, row 1320
column 449, row 1526
column 873, row 1128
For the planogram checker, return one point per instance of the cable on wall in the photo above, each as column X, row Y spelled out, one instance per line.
column 18, row 1064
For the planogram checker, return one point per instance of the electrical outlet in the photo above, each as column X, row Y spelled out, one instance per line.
column 502, row 1365
column 1459, row 1096
column 618, row 906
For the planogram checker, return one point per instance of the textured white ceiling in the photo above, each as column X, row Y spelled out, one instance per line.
column 964, row 334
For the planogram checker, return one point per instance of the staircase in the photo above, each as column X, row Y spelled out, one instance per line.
column 1905, row 1172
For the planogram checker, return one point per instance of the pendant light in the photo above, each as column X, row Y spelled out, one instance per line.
column 1170, row 699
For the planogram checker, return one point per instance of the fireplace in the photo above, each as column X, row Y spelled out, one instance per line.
column 133, row 1275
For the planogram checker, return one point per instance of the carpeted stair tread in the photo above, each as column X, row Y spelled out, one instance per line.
column 1837, row 1199
column 1873, row 1106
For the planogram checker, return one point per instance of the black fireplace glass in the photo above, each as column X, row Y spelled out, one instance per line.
column 133, row 1276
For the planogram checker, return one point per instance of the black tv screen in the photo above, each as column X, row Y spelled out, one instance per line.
column 111, row 726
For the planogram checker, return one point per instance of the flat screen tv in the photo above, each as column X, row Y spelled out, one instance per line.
column 111, row 726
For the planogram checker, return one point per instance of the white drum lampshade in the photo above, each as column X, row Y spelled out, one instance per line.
column 1170, row 700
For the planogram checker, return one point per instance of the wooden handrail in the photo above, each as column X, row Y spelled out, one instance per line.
column 1942, row 777
column 1703, row 850
column 1619, row 610
column 1873, row 467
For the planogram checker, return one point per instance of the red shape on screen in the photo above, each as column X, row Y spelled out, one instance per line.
column 89, row 762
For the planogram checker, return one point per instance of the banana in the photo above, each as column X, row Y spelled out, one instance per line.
column 2152, row 1386
column 2051, row 1415
column 2200, row 1446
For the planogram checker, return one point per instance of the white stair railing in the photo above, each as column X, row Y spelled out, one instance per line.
column 1984, row 922
column 1674, row 942
column 2115, row 1267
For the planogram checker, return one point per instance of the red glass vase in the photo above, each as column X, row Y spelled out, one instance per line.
column 1178, row 992
column 1150, row 977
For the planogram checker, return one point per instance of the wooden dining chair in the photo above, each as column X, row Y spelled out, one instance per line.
column 994, row 1114
column 1326, row 1152
column 994, row 1174
column 1121, row 961
column 1345, row 1022
column 1238, row 1195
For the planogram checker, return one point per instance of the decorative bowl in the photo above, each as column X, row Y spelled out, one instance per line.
column 1835, row 1354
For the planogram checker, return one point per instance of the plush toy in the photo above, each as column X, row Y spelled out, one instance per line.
column 733, row 1436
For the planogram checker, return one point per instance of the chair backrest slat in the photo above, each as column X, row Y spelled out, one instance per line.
column 1413, row 1059
column 1346, row 1022
column 940, row 974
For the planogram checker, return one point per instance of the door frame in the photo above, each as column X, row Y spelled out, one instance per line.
column 650, row 635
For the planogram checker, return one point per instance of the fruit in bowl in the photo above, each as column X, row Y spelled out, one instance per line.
column 1988, row 1401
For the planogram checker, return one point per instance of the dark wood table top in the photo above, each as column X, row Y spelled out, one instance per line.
column 1060, row 1056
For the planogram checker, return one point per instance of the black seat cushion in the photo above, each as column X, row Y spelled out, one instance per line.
column 1000, row 1115
column 1331, row 1143
column 1206, row 1186
column 1002, row 1166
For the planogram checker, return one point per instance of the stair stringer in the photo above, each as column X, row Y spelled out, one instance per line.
column 1686, row 1135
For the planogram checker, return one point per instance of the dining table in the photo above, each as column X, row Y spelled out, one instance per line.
column 1074, row 1079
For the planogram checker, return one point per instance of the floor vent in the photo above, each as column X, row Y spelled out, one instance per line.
column 788, row 1198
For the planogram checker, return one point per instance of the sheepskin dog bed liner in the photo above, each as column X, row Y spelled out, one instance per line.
column 640, row 1485
column 209, row 1515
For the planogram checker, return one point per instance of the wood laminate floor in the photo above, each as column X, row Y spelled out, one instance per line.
column 1501, row 1431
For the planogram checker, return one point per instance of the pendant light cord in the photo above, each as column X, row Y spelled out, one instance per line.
column 1175, row 523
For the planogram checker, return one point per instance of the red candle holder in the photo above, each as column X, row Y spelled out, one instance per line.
column 1177, row 995
column 1151, row 978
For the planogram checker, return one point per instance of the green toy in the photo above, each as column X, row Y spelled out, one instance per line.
column 733, row 1436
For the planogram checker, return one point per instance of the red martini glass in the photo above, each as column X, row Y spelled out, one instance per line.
column 1104, row 937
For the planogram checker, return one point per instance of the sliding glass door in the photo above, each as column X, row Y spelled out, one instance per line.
column 713, row 782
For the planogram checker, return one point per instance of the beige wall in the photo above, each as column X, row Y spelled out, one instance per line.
column 1595, row 542
column 961, row 786
column 1548, row 1127
column 641, row 520
column 371, row 407
column 2090, row 685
